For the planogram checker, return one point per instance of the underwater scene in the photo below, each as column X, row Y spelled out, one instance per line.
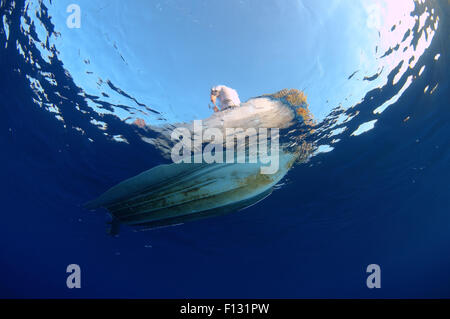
column 224, row 149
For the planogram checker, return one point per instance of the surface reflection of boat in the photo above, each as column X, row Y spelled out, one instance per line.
column 282, row 110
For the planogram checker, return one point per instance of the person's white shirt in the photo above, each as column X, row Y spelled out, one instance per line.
column 228, row 97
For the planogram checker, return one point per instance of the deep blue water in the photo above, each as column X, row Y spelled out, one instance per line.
column 381, row 197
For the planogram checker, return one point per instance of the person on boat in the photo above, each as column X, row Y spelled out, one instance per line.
column 228, row 97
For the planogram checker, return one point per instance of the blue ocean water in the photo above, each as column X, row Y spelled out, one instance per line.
column 374, row 197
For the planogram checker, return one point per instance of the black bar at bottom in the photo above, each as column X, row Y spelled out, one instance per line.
column 220, row 308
